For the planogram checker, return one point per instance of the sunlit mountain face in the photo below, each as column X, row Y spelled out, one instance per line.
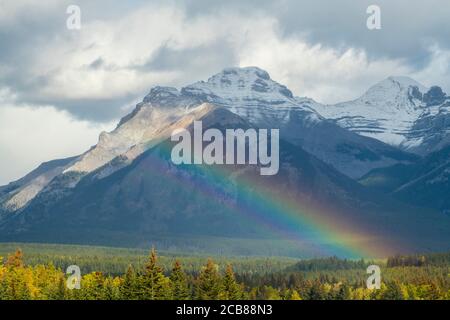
column 323, row 201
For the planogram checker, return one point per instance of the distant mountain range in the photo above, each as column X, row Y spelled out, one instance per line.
column 398, row 111
column 126, row 191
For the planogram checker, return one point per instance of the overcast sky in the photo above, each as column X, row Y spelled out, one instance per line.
column 59, row 88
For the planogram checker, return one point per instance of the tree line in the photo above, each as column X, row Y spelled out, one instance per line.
column 152, row 282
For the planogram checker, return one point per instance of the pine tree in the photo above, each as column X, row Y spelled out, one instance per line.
column 231, row 290
column 209, row 282
column 156, row 285
column 178, row 283
column 128, row 288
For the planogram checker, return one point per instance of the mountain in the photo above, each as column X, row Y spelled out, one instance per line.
column 125, row 190
column 398, row 111
column 253, row 95
column 425, row 183
column 18, row 193
column 248, row 92
column 228, row 209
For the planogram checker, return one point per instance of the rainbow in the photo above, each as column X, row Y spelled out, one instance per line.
column 318, row 230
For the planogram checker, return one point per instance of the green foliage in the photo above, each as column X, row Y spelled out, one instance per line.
column 179, row 289
column 231, row 290
column 419, row 260
column 129, row 288
column 332, row 263
column 415, row 277
column 155, row 285
column 114, row 261
column 208, row 284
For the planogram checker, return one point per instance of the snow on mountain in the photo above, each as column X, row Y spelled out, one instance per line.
column 143, row 126
column 248, row 92
column 391, row 111
column 251, row 94
column 179, row 119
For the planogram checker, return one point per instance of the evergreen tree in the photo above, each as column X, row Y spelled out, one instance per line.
column 209, row 282
column 128, row 287
column 231, row 290
column 179, row 288
column 156, row 285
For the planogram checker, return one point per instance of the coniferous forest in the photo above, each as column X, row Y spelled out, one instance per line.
column 42, row 276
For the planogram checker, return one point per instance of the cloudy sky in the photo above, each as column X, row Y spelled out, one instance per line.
column 59, row 88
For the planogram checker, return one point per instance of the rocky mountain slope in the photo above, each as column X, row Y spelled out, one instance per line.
column 253, row 95
column 126, row 191
column 247, row 92
column 228, row 208
column 398, row 111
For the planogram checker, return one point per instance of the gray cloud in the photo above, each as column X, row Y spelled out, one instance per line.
column 408, row 26
column 409, row 29
column 204, row 56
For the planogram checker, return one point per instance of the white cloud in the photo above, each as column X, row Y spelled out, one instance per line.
column 122, row 45
column 12, row 11
column 30, row 136
column 325, row 74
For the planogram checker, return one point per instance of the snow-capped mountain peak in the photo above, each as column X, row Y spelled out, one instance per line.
column 241, row 83
column 396, row 91
column 386, row 112
column 248, row 92
column 398, row 110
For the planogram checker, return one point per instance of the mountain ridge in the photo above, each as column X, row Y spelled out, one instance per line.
column 251, row 93
column 152, row 199
column 126, row 182
column 398, row 111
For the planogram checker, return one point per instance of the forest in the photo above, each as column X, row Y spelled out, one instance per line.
column 164, row 276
